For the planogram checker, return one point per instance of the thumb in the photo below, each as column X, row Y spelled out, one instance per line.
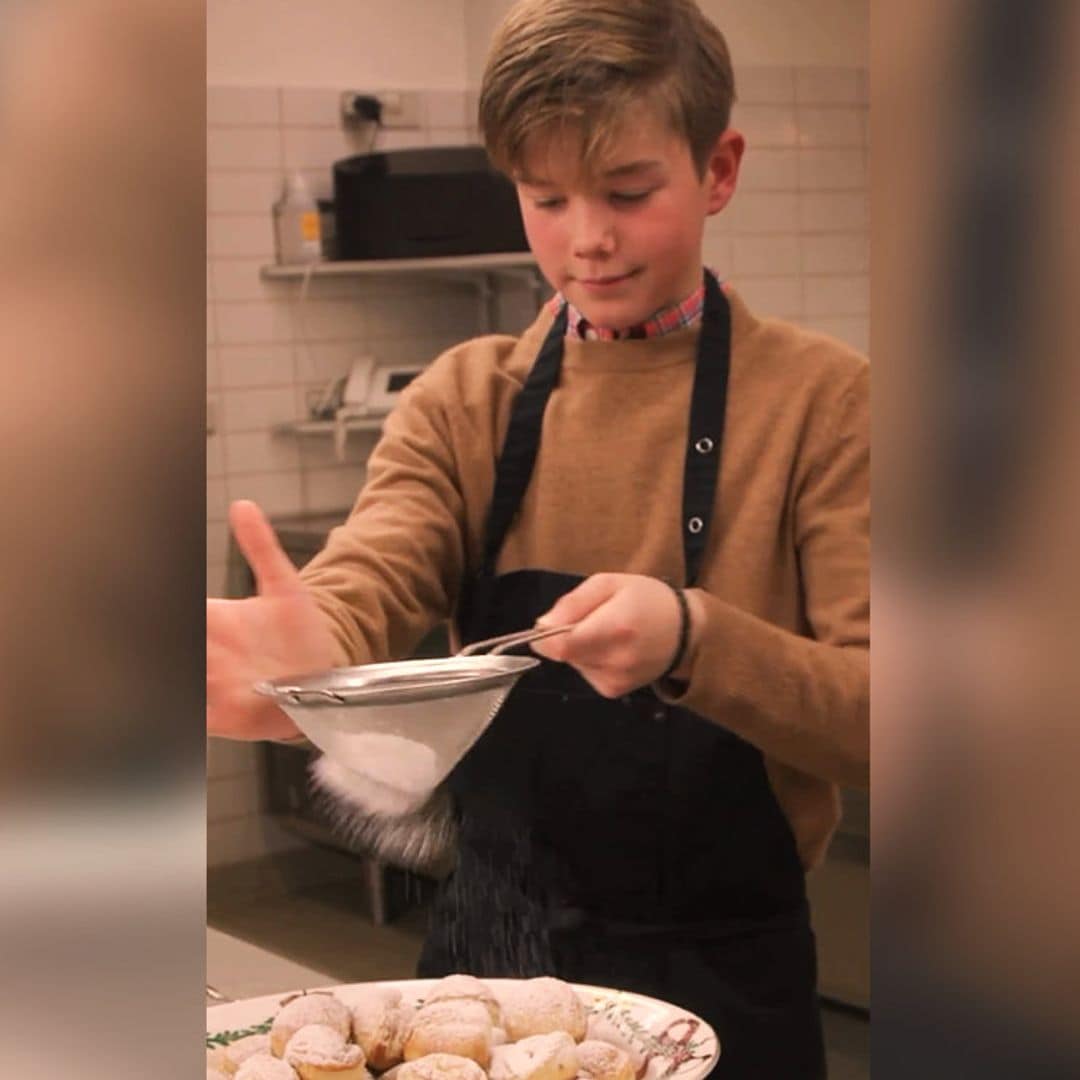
column 582, row 601
column 273, row 569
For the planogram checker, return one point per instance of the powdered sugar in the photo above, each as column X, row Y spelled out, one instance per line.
column 424, row 839
column 390, row 774
column 318, row 1044
column 238, row 1052
column 265, row 1067
column 307, row 1009
column 541, row 1005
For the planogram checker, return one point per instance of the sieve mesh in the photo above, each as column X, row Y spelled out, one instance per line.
column 397, row 730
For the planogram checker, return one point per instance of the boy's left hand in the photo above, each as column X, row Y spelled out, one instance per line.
column 626, row 631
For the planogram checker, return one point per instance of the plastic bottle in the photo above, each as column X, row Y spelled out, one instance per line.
column 296, row 223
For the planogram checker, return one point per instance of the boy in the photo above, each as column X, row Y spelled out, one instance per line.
column 684, row 483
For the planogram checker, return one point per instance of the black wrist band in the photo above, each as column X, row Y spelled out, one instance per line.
column 684, row 632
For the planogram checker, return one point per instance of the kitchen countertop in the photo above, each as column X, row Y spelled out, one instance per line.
column 239, row 969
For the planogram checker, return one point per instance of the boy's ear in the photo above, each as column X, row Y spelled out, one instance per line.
column 722, row 170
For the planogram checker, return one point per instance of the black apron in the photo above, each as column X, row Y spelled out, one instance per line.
column 626, row 843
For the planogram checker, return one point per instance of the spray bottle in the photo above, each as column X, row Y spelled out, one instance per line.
column 296, row 223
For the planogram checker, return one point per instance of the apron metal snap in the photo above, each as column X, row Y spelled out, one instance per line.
column 695, row 525
column 704, row 445
column 659, row 716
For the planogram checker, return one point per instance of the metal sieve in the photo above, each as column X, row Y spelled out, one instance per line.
column 399, row 728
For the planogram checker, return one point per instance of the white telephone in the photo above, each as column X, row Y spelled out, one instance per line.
column 371, row 389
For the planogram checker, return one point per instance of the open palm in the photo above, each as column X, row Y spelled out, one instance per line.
column 279, row 631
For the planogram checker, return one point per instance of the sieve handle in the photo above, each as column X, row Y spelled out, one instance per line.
column 498, row 645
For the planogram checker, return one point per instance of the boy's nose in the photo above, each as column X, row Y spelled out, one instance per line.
column 593, row 234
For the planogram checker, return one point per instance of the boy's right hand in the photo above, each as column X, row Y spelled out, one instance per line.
column 279, row 631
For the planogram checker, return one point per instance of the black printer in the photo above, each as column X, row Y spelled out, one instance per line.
column 434, row 201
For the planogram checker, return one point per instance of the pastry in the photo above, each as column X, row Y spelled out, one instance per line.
column 298, row 1012
column 460, row 1027
column 541, row 1006
column 265, row 1067
column 235, row 1054
column 537, row 1057
column 440, row 1067
column 603, row 1061
column 465, row 988
column 380, row 1021
column 602, row 1028
column 318, row 1052
column 215, row 1074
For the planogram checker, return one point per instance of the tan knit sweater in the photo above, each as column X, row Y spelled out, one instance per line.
column 783, row 657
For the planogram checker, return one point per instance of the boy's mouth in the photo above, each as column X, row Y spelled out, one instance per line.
column 606, row 281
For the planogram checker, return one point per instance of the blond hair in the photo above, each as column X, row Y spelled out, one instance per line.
column 584, row 65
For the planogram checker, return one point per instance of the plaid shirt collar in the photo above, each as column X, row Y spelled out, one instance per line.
column 676, row 317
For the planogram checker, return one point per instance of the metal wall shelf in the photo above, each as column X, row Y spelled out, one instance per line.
column 479, row 271
column 328, row 427
column 446, row 264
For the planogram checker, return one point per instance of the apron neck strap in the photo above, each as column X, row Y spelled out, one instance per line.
column 705, row 430
column 514, row 468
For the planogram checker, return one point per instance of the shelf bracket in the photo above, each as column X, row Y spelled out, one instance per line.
column 487, row 303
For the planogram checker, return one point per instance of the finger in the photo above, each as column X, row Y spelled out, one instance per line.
column 598, row 639
column 273, row 569
column 582, row 601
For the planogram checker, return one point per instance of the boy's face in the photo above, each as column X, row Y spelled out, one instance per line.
column 625, row 240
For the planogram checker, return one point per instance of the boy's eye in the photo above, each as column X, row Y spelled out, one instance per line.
column 630, row 196
column 551, row 202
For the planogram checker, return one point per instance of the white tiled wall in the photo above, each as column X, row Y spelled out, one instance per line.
column 794, row 241
column 265, row 350
column 236, row 828
column 795, row 238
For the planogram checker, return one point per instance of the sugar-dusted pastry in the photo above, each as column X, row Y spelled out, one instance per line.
column 440, row 1067
column 451, row 1027
column 540, row 1006
column 465, row 988
column 318, row 1052
column 462, row 1010
column 537, row 1057
column 380, row 1021
column 305, row 1009
column 602, row 1028
column 265, row 1067
column 236, row 1053
column 215, row 1074
column 603, row 1061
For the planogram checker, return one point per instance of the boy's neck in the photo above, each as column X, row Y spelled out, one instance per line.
column 687, row 312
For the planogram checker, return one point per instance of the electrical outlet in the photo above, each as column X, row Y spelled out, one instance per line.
column 400, row 108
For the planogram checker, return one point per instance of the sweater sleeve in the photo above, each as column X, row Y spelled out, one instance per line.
column 392, row 571
column 804, row 700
